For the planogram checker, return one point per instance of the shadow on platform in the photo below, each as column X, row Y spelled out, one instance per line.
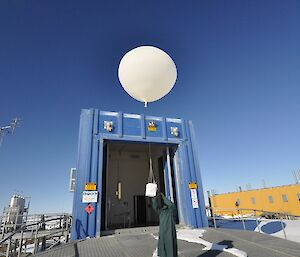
column 213, row 253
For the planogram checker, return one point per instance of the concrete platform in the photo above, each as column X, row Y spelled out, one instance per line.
column 139, row 243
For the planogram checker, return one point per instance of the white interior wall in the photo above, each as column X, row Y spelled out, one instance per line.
column 130, row 166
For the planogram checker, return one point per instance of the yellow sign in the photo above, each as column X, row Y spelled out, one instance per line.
column 193, row 185
column 151, row 126
column 91, row 186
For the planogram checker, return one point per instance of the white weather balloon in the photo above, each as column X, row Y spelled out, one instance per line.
column 147, row 73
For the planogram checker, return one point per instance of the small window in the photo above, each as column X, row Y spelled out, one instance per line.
column 271, row 199
column 238, row 202
column 284, row 198
column 298, row 197
column 253, row 200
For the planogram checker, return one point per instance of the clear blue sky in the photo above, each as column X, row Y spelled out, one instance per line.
column 238, row 80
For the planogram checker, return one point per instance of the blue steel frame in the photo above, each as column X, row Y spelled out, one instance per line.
column 132, row 127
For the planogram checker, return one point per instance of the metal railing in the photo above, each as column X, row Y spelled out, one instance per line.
column 244, row 215
column 35, row 231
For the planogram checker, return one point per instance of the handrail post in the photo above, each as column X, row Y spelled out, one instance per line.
column 2, row 221
column 243, row 220
column 25, row 245
column 59, row 221
column 36, row 241
column 66, row 228
column 43, row 225
column 8, row 248
column 257, row 224
column 20, row 243
column 65, row 221
column 283, row 228
column 214, row 218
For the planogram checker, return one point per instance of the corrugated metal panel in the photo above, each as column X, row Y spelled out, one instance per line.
column 133, row 128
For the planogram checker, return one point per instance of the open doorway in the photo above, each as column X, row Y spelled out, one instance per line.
column 125, row 174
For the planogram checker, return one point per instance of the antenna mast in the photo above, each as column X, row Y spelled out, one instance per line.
column 9, row 129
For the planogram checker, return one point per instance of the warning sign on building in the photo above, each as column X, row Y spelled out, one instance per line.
column 89, row 209
column 91, row 186
column 89, row 196
column 152, row 126
column 194, row 198
column 192, row 185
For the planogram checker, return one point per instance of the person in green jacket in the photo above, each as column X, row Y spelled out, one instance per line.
column 167, row 242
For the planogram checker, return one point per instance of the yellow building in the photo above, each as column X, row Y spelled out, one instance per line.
column 283, row 199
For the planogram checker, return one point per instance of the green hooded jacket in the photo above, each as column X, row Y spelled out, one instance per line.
column 167, row 242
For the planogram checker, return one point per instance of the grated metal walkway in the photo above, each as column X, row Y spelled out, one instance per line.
column 144, row 244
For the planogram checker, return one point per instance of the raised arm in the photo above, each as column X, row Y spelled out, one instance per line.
column 167, row 201
column 154, row 205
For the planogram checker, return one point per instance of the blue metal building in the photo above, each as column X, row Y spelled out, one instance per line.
column 113, row 164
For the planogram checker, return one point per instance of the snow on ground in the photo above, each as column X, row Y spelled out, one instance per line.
column 271, row 227
column 194, row 236
column 30, row 247
column 274, row 228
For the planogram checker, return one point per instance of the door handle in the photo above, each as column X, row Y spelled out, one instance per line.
column 119, row 191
